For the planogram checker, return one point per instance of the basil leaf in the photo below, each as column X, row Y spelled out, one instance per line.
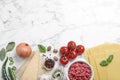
column 10, row 46
column 103, row 63
column 42, row 48
column 110, row 58
column 2, row 54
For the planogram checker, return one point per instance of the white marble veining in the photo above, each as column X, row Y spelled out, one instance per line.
column 55, row 22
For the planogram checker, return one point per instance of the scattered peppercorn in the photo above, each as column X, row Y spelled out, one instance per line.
column 43, row 55
column 50, row 54
column 49, row 48
column 55, row 51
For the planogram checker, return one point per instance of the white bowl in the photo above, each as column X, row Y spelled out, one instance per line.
column 84, row 61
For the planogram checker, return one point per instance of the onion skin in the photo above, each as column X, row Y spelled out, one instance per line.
column 23, row 50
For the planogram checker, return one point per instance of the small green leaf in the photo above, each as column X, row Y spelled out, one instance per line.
column 42, row 48
column 2, row 54
column 10, row 59
column 10, row 46
column 103, row 63
column 110, row 58
column 14, row 68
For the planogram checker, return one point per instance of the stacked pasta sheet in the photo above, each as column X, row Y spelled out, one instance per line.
column 99, row 53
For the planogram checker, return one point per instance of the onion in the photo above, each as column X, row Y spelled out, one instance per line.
column 23, row 50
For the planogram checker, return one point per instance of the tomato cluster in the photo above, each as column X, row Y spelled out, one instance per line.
column 70, row 52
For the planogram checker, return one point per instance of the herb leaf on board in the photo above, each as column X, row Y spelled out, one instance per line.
column 103, row 63
column 107, row 61
column 110, row 58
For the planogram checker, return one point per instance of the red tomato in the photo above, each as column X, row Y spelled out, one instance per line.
column 80, row 49
column 63, row 50
column 64, row 60
column 72, row 54
column 71, row 45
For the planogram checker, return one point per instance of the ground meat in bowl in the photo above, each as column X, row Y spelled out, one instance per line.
column 79, row 71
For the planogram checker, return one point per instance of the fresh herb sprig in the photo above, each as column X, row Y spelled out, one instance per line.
column 10, row 46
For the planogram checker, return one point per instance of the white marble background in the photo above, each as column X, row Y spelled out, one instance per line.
column 89, row 22
column 55, row 22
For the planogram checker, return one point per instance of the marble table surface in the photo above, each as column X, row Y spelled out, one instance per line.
column 55, row 22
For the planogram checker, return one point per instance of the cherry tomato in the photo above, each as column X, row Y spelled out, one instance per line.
column 64, row 60
column 63, row 50
column 71, row 45
column 72, row 54
column 80, row 49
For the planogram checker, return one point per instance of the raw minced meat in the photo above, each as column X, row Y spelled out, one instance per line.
column 79, row 71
